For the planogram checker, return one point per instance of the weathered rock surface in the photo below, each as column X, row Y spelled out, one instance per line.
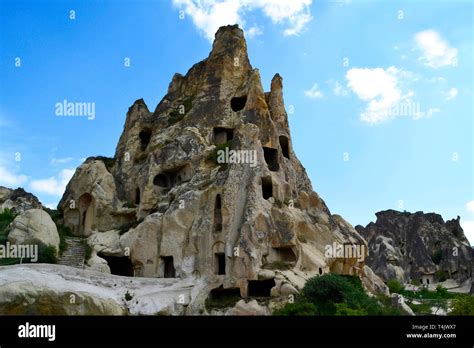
column 399, row 302
column 248, row 308
column 165, row 206
column 43, row 289
column 417, row 246
column 18, row 200
column 34, row 226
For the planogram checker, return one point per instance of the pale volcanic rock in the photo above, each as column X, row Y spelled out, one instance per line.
column 181, row 214
column 34, row 226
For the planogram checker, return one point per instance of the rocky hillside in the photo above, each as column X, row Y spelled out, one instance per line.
column 18, row 200
column 207, row 187
column 417, row 247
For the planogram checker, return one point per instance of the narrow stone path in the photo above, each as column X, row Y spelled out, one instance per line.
column 75, row 253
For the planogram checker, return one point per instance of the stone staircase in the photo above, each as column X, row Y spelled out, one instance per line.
column 75, row 253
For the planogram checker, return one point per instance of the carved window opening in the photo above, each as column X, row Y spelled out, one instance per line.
column 145, row 137
column 238, row 103
column 260, row 288
column 267, row 187
column 167, row 266
column 121, row 266
column 222, row 135
column 218, row 214
column 271, row 157
column 219, row 263
column 284, row 144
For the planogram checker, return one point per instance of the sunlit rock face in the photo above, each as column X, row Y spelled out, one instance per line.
column 246, row 218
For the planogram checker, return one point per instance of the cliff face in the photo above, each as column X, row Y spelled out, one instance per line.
column 417, row 246
column 174, row 206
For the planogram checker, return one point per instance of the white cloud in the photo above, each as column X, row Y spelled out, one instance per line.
column 437, row 79
column 51, row 205
column 339, row 90
column 470, row 206
column 254, row 31
column 435, row 51
column 209, row 15
column 450, row 94
column 314, row 92
column 380, row 88
column 468, row 227
column 53, row 185
column 11, row 180
column 56, row 161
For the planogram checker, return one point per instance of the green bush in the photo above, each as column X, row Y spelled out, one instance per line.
column 344, row 310
column 422, row 308
column 88, row 251
column 215, row 153
column 463, row 305
column 128, row 296
column 175, row 115
column 47, row 254
column 6, row 217
column 277, row 265
column 63, row 232
column 333, row 294
column 394, row 286
column 303, row 308
column 54, row 213
column 109, row 162
column 441, row 276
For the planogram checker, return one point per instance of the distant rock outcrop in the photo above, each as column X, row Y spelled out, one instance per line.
column 417, row 247
column 18, row 200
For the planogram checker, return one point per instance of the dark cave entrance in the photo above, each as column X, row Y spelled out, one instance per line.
column 223, row 135
column 219, row 263
column 267, row 187
column 161, row 180
column 167, row 265
column 173, row 177
column 221, row 294
column 271, row 157
column 218, row 214
column 137, row 196
column 285, row 147
column 145, row 137
column 238, row 103
column 285, row 254
column 119, row 265
column 260, row 288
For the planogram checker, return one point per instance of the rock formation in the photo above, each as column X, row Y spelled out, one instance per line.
column 18, row 200
column 43, row 289
column 207, row 187
column 34, row 226
column 417, row 247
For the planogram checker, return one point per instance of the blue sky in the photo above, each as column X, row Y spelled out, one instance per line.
column 381, row 90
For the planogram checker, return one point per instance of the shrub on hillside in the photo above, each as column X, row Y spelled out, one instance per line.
column 394, row 286
column 333, row 294
column 463, row 305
